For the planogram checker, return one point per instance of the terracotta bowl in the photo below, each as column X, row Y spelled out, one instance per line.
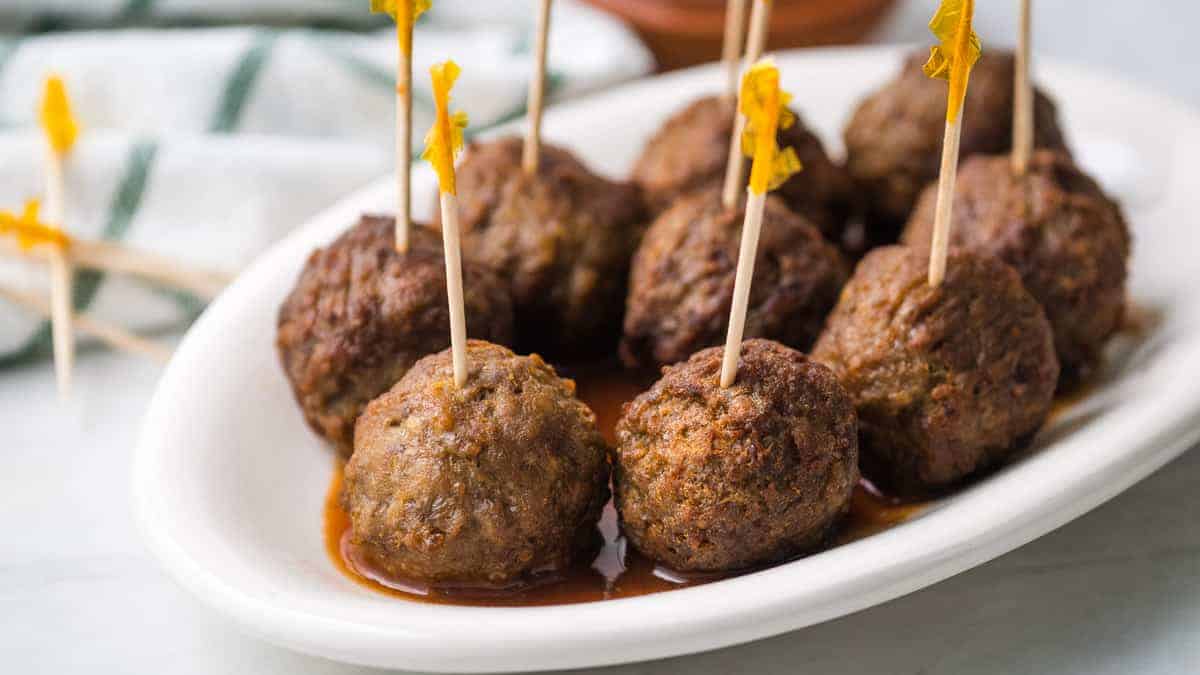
column 686, row 32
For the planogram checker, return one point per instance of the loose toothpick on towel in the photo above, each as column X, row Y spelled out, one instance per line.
column 951, row 60
column 442, row 145
column 121, row 259
column 760, row 20
column 764, row 105
column 117, row 338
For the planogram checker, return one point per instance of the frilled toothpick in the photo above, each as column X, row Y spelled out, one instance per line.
column 30, row 235
column 405, row 12
column 764, row 105
column 950, row 60
column 61, row 130
column 442, row 145
column 756, row 42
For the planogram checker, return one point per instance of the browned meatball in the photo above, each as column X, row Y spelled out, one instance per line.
column 947, row 381
column 1065, row 237
column 681, row 286
column 490, row 485
column 894, row 138
column 562, row 238
column 691, row 150
column 361, row 314
column 712, row 479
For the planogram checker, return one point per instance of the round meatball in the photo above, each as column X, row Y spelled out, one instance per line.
column 1065, row 237
column 681, row 286
column 562, row 239
column 361, row 314
column 894, row 138
column 691, row 151
column 947, row 381
column 713, row 479
column 493, row 484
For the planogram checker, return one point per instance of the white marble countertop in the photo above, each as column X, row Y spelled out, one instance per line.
column 1117, row 591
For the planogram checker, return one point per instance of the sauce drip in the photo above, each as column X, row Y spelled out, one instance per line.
column 618, row 571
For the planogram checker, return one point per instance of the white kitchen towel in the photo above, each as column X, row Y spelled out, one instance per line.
column 210, row 143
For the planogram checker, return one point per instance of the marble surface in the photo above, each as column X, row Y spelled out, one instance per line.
column 1117, row 591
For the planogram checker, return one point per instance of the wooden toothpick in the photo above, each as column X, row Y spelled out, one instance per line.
column 531, row 155
column 60, row 130
column 117, row 338
column 731, row 47
column 452, row 249
column 944, row 213
column 406, row 13
column 118, row 258
column 760, row 21
column 951, row 60
column 1023, row 132
column 764, row 105
column 442, row 145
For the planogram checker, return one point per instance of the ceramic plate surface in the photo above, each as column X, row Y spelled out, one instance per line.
column 229, row 482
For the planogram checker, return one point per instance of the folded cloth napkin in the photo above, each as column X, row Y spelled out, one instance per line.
column 210, row 143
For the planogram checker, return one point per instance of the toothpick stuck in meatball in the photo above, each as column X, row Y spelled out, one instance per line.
column 1058, row 229
column 712, row 479
column 361, row 314
column 949, row 380
column 493, row 484
column 894, row 138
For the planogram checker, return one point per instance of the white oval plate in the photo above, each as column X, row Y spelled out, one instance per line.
column 229, row 482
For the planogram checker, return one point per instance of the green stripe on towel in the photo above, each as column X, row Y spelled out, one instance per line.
column 366, row 70
column 241, row 83
column 135, row 10
column 8, row 48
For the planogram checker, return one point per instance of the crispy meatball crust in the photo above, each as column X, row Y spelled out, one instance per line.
column 562, row 239
column 1065, row 237
column 488, row 485
column 681, row 286
column 947, row 381
column 894, row 138
column 361, row 314
column 711, row 479
column 691, row 149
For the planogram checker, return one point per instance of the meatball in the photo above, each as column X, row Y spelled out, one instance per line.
column 947, row 381
column 1065, row 237
column 691, row 150
column 894, row 138
column 712, row 479
column 561, row 238
column 681, row 286
column 489, row 485
column 361, row 314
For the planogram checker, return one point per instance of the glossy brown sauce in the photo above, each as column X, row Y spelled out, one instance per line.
column 618, row 571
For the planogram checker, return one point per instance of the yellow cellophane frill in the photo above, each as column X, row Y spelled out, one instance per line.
column 445, row 137
column 406, row 13
column 764, row 105
column 29, row 231
column 56, row 118
column 960, row 48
